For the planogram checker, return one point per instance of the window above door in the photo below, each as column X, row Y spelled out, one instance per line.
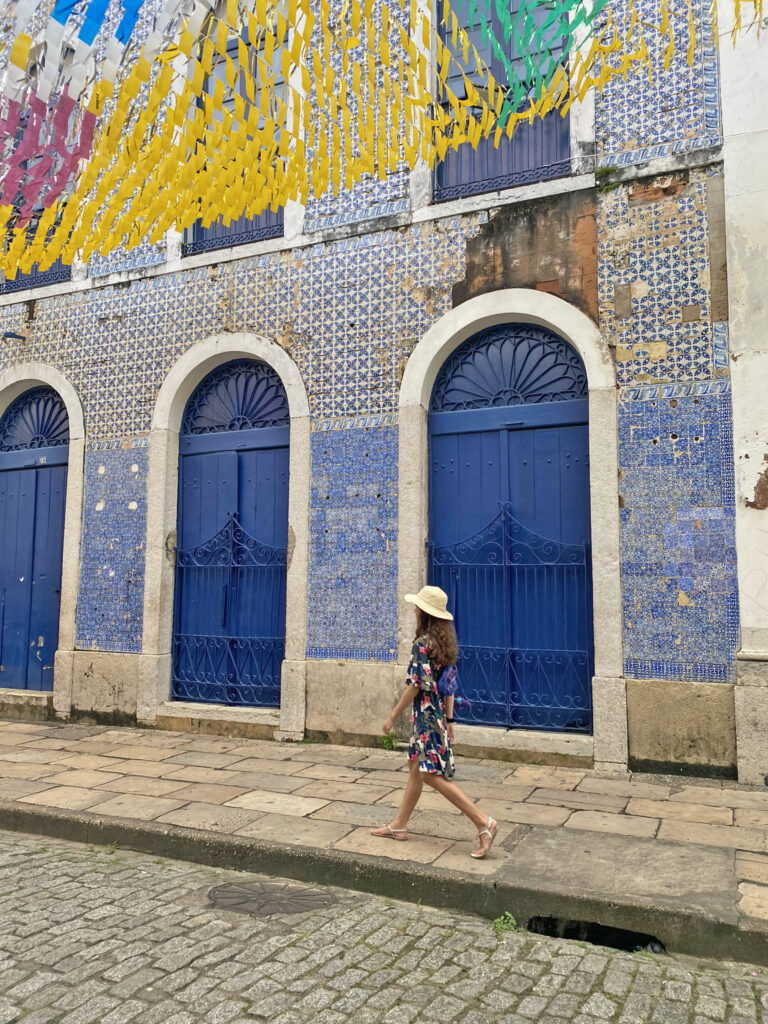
column 538, row 150
column 260, row 57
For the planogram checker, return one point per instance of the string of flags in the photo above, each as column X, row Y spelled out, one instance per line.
column 122, row 119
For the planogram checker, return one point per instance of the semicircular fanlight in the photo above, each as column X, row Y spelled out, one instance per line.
column 36, row 419
column 511, row 364
column 240, row 395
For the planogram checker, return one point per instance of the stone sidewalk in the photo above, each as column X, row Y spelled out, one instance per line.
column 678, row 859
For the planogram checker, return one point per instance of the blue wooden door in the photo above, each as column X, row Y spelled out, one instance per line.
column 34, row 450
column 229, row 638
column 510, row 526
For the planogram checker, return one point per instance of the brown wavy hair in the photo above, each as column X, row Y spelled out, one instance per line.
column 440, row 637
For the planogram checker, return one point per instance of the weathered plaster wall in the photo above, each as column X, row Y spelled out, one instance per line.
column 745, row 155
column 549, row 244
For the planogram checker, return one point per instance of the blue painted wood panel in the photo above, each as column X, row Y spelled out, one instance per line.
column 32, row 503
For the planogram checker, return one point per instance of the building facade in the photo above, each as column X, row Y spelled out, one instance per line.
column 535, row 378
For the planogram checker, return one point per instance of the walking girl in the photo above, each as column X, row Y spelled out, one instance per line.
column 435, row 651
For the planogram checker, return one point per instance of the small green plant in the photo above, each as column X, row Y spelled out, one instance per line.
column 604, row 181
column 389, row 740
column 505, row 923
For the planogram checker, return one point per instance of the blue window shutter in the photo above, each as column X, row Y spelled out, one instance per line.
column 538, row 151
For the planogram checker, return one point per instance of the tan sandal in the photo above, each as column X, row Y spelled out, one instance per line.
column 387, row 832
column 490, row 830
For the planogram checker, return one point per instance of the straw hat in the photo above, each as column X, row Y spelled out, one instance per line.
column 431, row 600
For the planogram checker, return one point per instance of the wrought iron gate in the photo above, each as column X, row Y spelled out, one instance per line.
column 34, row 452
column 229, row 619
column 522, row 605
column 510, row 526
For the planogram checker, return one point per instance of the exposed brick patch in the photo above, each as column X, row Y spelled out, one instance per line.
column 760, row 500
column 654, row 189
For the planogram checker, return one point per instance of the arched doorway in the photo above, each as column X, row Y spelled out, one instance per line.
column 232, row 535
column 509, row 525
column 34, row 452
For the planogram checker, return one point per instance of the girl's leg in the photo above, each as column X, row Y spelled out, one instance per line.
column 458, row 798
column 410, row 796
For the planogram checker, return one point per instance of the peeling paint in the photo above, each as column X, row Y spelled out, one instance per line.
column 760, row 499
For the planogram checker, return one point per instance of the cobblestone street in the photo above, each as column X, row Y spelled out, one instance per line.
column 91, row 934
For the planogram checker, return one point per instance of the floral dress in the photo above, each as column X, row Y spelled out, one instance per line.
column 429, row 744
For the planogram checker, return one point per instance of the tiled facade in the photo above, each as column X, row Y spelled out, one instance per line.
column 677, row 111
column 350, row 312
column 353, row 566
column 109, row 609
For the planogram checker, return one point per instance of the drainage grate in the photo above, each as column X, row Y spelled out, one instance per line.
column 597, row 934
column 265, row 899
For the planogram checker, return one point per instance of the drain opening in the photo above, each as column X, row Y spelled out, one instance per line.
column 597, row 934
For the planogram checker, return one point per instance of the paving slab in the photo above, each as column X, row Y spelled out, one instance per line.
column 339, row 773
column 283, row 828
column 201, row 759
column 721, row 797
column 66, row 797
column 546, row 777
column 645, row 872
column 714, row 835
column 352, row 813
column 616, row 824
column 208, row 793
column 211, row 817
column 143, row 786
column 89, row 761
column 14, row 789
column 136, row 806
column 264, row 780
column 752, row 870
column 623, row 787
column 704, row 813
column 327, row 790
column 143, row 752
column 27, row 770
column 86, row 778
column 527, row 814
column 457, row 858
column 417, row 849
column 283, row 803
column 578, row 800
column 151, row 769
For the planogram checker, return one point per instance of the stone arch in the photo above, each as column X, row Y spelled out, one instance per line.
column 175, row 391
column 14, row 381
column 608, row 745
